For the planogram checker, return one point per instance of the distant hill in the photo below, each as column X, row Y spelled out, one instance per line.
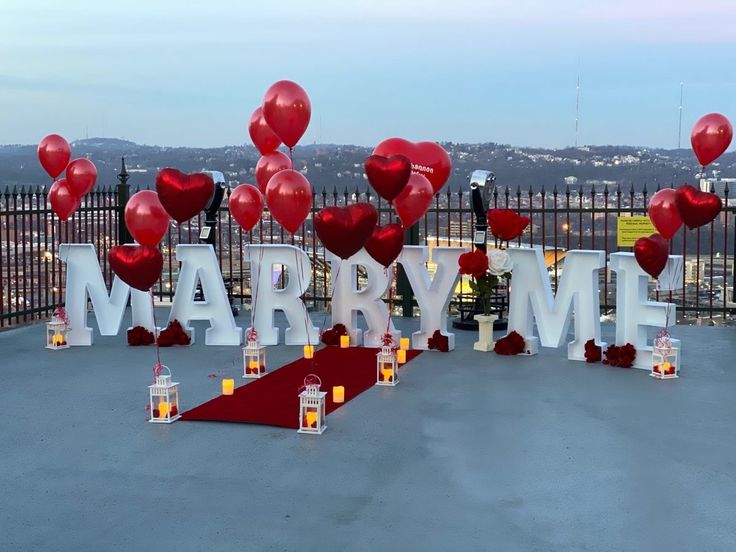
column 340, row 167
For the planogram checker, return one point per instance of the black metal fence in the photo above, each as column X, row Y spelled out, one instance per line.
column 32, row 277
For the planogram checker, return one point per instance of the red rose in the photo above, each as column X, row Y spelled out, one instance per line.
column 622, row 356
column 592, row 351
column 474, row 264
column 512, row 344
column 331, row 337
column 174, row 334
column 506, row 224
column 438, row 342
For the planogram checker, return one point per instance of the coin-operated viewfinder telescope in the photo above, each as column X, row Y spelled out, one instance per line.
column 481, row 190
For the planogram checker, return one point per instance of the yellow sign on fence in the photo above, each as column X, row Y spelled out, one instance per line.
column 631, row 228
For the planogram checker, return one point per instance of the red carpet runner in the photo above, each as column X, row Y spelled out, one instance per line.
column 273, row 399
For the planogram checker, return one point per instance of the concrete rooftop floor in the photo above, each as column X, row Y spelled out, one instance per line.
column 471, row 451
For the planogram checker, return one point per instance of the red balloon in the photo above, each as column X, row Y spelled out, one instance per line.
column 54, row 154
column 81, row 174
column 696, row 208
column 386, row 243
column 246, row 205
column 146, row 218
column 344, row 230
column 263, row 137
column 269, row 165
column 139, row 266
column 414, row 200
column 664, row 214
column 289, row 198
column 710, row 137
column 62, row 200
column 388, row 175
column 287, row 111
column 651, row 253
column 183, row 195
column 427, row 158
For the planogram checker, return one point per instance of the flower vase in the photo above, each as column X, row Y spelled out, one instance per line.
column 485, row 341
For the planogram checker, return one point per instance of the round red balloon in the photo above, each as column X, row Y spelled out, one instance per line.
column 62, row 200
column 54, row 154
column 710, row 137
column 427, row 158
column 664, row 214
column 289, row 198
column 287, row 110
column 263, row 137
column 146, row 218
column 81, row 174
column 246, row 205
column 651, row 253
column 268, row 165
column 414, row 200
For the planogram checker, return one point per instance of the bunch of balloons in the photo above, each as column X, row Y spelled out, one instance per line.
column 65, row 194
column 669, row 208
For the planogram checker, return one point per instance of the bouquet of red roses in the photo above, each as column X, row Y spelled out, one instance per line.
column 512, row 344
column 174, row 334
column 438, row 342
column 331, row 337
column 487, row 271
column 622, row 356
column 139, row 335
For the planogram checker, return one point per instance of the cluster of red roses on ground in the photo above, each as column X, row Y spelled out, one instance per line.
column 331, row 337
column 140, row 336
column 622, row 356
column 512, row 344
column 174, row 334
column 438, row 342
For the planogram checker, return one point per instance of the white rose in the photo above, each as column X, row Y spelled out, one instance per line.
column 499, row 262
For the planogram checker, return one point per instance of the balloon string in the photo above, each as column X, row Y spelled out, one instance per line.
column 254, row 303
column 332, row 297
column 300, row 274
column 391, row 293
column 157, row 366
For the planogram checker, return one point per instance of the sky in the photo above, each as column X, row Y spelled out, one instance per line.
column 185, row 73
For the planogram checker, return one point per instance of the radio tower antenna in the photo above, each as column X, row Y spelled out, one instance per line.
column 577, row 110
column 679, row 124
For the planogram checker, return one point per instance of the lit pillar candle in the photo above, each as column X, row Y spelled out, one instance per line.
column 58, row 340
column 228, row 386
column 401, row 356
column 163, row 409
column 311, row 418
column 404, row 344
column 344, row 341
column 386, row 373
column 338, row 394
column 253, row 367
column 309, row 351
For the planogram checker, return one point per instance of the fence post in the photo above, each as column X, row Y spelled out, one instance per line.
column 123, row 189
column 403, row 288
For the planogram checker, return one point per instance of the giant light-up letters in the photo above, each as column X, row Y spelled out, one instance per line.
column 531, row 300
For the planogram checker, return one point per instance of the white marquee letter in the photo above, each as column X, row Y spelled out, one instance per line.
column 198, row 263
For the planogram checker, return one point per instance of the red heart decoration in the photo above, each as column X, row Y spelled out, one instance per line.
column 414, row 200
column 427, row 158
column 139, row 266
column 385, row 243
column 696, row 208
column 664, row 214
column 183, row 195
column 62, row 200
column 651, row 253
column 388, row 175
column 344, row 230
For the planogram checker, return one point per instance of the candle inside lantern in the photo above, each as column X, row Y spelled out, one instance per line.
column 338, row 394
column 311, row 418
column 228, row 386
column 253, row 367
column 404, row 344
column 401, row 356
column 387, row 373
column 309, row 351
column 344, row 341
column 163, row 409
column 58, row 339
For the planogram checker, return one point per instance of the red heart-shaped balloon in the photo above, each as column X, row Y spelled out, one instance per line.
column 696, row 208
column 289, row 198
column 246, row 205
column 427, row 158
column 139, row 266
column 344, row 230
column 664, row 214
column 651, row 253
column 388, row 175
column 414, row 200
column 62, row 200
column 183, row 195
column 386, row 243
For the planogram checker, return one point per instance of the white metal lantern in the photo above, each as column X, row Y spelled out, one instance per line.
column 665, row 362
column 312, row 417
column 387, row 368
column 56, row 331
column 164, row 398
column 254, row 360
